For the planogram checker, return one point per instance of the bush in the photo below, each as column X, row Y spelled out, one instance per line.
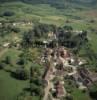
column 9, row 60
column 93, row 92
column 15, row 29
column 69, row 97
column 21, row 73
column 2, row 65
column 21, row 61
column 8, row 13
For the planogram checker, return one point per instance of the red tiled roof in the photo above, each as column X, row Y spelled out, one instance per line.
column 59, row 89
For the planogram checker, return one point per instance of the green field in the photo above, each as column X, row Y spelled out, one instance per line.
column 45, row 13
column 10, row 88
column 93, row 41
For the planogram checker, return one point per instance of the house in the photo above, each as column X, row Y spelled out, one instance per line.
column 64, row 53
column 87, row 76
column 81, row 61
column 60, row 92
column 59, row 69
column 78, row 81
column 50, row 34
column 6, row 45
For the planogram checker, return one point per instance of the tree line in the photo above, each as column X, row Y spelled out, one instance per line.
column 64, row 36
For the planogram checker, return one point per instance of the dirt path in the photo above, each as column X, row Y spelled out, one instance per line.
column 46, row 92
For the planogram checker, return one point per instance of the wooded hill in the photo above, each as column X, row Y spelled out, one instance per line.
column 60, row 3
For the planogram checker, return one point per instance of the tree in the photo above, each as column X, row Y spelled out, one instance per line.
column 26, row 55
column 8, row 60
column 93, row 92
column 36, row 86
column 35, row 71
column 28, row 39
column 37, row 31
column 8, row 13
column 36, row 89
column 21, row 73
column 64, row 37
column 33, row 88
column 15, row 29
column 21, row 61
column 41, row 30
column 68, row 28
column 69, row 97
column 53, row 44
column 2, row 65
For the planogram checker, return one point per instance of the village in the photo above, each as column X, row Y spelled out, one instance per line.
column 48, row 49
column 61, row 63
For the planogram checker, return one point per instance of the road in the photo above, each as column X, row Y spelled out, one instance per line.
column 47, row 90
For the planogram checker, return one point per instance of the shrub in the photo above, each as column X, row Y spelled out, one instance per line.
column 2, row 65
column 93, row 92
column 21, row 73
column 15, row 29
column 8, row 13
column 69, row 97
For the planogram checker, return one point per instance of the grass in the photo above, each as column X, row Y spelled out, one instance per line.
column 25, row 11
column 43, row 13
column 10, row 87
column 92, row 37
column 76, row 93
column 93, row 41
column 79, row 95
column 13, row 53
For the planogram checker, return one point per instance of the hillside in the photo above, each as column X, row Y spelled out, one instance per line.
column 60, row 3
